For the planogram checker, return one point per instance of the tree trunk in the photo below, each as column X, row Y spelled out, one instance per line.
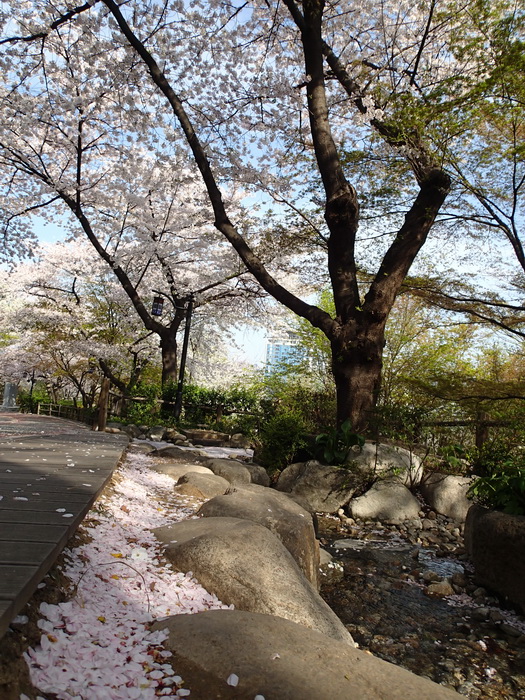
column 357, row 361
column 168, row 346
column 103, row 405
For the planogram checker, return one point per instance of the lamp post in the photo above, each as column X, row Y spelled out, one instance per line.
column 184, row 354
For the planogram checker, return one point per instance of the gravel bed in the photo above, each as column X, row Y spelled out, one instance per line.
column 407, row 594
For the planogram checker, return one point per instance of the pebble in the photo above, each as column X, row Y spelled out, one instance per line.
column 473, row 639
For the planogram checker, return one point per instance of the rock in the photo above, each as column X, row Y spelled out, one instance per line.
column 173, row 435
column 440, row 588
column 447, row 494
column 156, row 433
column 240, row 441
column 259, row 474
column 210, row 438
column 324, row 557
column 141, row 448
column 176, row 454
column 132, row 430
column 201, row 485
column 178, row 469
column 325, row 488
column 246, row 565
column 495, row 543
column 430, row 576
column 459, row 579
column 428, row 524
column 234, row 472
column 279, row 660
column 112, row 431
column 281, row 515
column 386, row 500
column 389, row 461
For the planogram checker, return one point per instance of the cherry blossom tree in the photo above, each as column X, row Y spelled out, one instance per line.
column 323, row 108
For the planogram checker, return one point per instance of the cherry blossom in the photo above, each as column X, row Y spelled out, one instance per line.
column 99, row 640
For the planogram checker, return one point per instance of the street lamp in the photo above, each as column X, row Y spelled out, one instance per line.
column 184, row 354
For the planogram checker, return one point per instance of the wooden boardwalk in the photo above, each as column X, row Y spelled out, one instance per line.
column 51, row 472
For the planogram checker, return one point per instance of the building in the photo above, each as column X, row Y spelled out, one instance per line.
column 282, row 349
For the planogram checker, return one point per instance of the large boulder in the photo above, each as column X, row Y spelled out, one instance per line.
column 284, row 517
column 325, row 488
column 231, row 470
column 240, row 441
column 210, row 438
column 178, row 469
column 388, row 500
column 495, row 543
column 447, row 494
column 173, row 435
column 388, row 461
column 246, row 565
column 259, row 475
column 132, row 430
column 156, row 433
column 226, row 654
column 200, row 485
column 177, row 454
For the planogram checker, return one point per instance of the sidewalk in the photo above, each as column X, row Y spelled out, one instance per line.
column 51, row 472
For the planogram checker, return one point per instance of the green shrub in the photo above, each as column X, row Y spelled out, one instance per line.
column 145, row 412
column 280, row 438
column 503, row 489
column 28, row 403
column 335, row 447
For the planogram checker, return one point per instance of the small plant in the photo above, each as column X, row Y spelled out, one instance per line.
column 454, row 459
column 503, row 489
column 335, row 446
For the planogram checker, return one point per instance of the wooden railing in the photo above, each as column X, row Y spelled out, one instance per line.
column 82, row 415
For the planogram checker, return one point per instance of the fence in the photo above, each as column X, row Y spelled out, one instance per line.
column 82, row 415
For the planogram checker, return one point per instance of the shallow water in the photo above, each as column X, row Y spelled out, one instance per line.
column 382, row 601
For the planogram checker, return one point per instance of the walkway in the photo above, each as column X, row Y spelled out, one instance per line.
column 51, row 472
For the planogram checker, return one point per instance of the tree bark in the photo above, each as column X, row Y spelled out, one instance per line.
column 168, row 347
column 357, row 362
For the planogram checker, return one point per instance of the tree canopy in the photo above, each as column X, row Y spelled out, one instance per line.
column 150, row 117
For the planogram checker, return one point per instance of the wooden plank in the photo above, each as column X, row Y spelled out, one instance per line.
column 45, row 500
column 33, row 533
column 26, row 552
column 14, row 578
column 55, row 486
column 38, row 517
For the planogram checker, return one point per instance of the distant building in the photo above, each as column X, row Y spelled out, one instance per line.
column 281, row 349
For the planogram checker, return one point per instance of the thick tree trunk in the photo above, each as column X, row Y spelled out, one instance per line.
column 168, row 346
column 357, row 361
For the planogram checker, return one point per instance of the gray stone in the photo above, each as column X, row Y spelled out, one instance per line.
column 281, row 515
column 176, row 454
column 447, row 494
column 207, row 437
column 279, row 660
column 495, row 543
column 325, row 488
column 246, row 565
column 173, row 435
column 231, row 470
column 178, row 469
column 259, row 475
column 238, row 440
column 156, row 433
column 141, row 448
column 132, row 430
column 389, row 461
column 201, row 485
column 387, row 500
